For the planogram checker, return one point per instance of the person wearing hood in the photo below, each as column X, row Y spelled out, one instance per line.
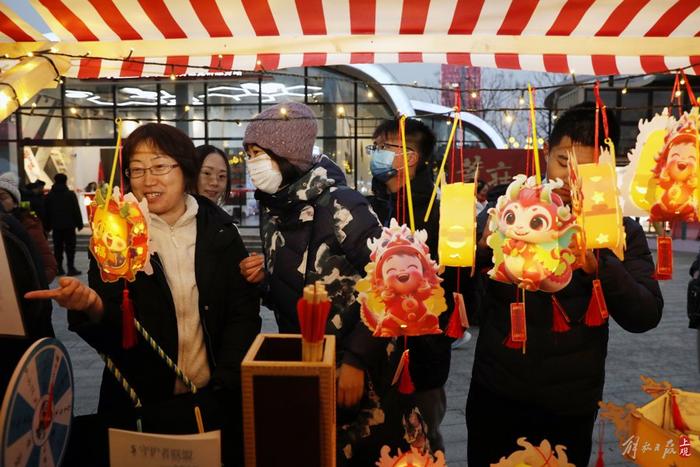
column 313, row 228
column 63, row 218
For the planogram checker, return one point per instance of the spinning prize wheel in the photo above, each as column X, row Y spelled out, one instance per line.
column 37, row 407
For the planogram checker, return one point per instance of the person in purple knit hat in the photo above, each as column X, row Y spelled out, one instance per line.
column 315, row 228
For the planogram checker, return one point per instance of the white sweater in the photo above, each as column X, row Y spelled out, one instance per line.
column 175, row 245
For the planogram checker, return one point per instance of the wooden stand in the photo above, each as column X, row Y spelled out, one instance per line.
column 288, row 404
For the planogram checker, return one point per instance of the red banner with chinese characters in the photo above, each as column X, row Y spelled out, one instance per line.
column 497, row 166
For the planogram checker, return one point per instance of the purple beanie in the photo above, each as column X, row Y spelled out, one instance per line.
column 289, row 134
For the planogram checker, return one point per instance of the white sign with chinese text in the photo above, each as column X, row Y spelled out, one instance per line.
column 134, row 449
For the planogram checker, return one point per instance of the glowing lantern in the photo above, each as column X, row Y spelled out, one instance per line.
column 531, row 235
column 457, row 241
column 595, row 203
column 663, row 172
column 412, row 458
column 119, row 239
column 401, row 293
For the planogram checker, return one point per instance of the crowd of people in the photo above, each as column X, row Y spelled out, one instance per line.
column 202, row 302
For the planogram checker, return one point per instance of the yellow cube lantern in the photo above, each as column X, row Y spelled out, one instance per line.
column 457, row 241
column 598, row 212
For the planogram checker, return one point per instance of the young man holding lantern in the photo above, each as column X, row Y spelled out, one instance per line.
column 550, row 388
column 429, row 362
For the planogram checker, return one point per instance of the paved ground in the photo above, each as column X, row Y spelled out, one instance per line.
column 665, row 353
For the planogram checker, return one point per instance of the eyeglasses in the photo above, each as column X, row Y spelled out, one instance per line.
column 159, row 169
column 370, row 148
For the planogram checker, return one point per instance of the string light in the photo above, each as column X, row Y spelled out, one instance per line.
column 516, row 145
column 370, row 94
column 259, row 62
column 624, row 89
column 511, row 140
column 554, row 117
column 173, row 77
column 521, row 100
column 34, row 104
column 187, row 108
column 508, row 118
column 220, row 56
column 540, row 141
column 73, row 110
column 473, row 94
column 572, row 71
column 30, row 54
column 682, row 81
column 54, row 50
column 238, row 123
column 283, row 111
column 341, row 111
column 678, row 93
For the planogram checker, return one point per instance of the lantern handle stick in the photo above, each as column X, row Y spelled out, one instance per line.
column 442, row 168
column 118, row 121
column 402, row 128
column 535, row 149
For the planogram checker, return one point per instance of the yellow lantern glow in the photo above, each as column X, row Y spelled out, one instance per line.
column 595, row 201
column 457, row 241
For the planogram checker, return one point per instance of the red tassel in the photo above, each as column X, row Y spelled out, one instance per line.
column 405, row 383
column 560, row 321
column 128, row 329
column 600, row 462
column 454, row 327
column 664, row 259
column 511, row 344
column 678, row 421
column 597, row 310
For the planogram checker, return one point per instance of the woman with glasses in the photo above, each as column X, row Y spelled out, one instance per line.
column 214, row 174
column 203, row 317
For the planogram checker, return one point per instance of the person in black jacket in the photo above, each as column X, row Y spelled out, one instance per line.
column 203, row 317
column 315, row 228
column 63, row 217
column 429, row 361
column 552, row 390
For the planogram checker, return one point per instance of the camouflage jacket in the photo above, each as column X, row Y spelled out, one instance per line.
column 316, row 229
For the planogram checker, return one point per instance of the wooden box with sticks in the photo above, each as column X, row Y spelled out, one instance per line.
column 289, row 392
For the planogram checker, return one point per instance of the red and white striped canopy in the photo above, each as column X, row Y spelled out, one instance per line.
column 188, row 36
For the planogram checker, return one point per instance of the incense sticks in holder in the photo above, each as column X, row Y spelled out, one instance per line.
column 312, row 310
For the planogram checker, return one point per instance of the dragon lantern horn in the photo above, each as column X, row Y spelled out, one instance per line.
column 514, row 188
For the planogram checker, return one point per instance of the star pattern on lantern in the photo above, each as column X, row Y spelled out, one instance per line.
column 602, row 238
column 598, row 197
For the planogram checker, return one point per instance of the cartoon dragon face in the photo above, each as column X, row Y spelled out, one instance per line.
column 682, row 162
column 532, row 213
column 403, row 273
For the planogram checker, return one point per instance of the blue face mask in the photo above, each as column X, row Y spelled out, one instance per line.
column 381, row 164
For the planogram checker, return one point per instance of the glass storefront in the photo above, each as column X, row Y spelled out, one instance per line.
column 71, row 128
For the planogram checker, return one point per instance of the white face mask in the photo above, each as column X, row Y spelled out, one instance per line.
column 265, row 176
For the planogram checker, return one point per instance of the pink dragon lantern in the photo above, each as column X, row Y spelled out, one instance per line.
column 401, row 293
column 531, row 236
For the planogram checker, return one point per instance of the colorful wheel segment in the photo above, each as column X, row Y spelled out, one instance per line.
column 37, row 407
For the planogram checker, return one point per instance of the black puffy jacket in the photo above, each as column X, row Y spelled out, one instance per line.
column 565, row 372
column 316, row 229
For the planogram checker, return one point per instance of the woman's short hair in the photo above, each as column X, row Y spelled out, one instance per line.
column 202, row 152
column 168, row 140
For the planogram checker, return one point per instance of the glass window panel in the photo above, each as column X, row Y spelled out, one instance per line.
column 8, row 156
column 8, row 128
column 93, row 123
column 334, row 87
column 288, row 86
column 46, row 98
column 137, row 94
column 87, row 95
column 636, row 106
column 370, row 116
column 46, row 125
column 230, row 121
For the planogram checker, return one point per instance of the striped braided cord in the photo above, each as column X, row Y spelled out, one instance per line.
column 120, row 378
column 168, row 361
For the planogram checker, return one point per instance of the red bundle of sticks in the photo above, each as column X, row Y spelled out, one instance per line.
column 312, row 310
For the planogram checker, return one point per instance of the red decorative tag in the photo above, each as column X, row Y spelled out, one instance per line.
column 600, row 298
column 664, row 259
column 518, row 328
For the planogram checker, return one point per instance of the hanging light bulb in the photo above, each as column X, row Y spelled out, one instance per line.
column 624, row 90
column 73, row 110
column 508, row 118
column 511, row 140
column 173, row 77
column 370, row 94
column 283, row 111
column 341, row 111
column 473, row 94
column 554, row 117
column 516, row 145
column 187, row 108
column 678, row 93
column 682, row 81
column 521, row 100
